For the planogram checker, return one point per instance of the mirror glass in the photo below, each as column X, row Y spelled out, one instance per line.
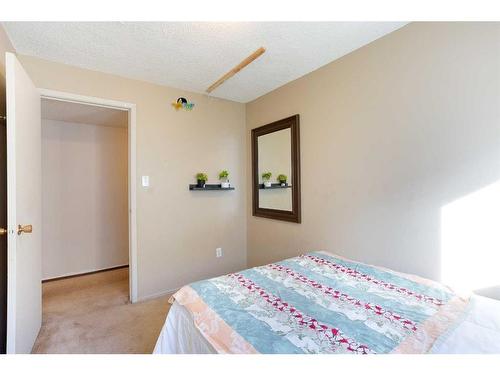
column 275, row 170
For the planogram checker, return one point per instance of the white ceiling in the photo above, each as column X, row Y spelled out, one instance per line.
column 191, row 56
column 58, row 110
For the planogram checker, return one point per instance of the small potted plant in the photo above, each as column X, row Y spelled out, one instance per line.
column 202, row 179
column 224, row 180
column 266, row 178
column 282, row 179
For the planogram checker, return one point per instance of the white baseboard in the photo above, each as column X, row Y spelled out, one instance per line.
column 78, row 273
column 157, row 295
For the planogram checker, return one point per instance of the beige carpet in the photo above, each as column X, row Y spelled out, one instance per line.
column 92, row 314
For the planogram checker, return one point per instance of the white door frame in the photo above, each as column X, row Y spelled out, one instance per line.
column 132, row 178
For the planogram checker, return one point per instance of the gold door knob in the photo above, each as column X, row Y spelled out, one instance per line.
column 24, row 229
column 3, row 231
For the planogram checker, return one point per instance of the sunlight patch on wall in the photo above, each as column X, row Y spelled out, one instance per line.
column 470, row 240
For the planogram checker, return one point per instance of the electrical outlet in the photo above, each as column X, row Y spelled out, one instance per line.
column 218, row 252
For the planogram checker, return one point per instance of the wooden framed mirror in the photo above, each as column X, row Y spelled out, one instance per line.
column 276, row 155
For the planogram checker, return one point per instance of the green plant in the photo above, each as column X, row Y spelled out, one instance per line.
column 266, row 176
column 202, row 176
column 223, row 175
column 282, row 178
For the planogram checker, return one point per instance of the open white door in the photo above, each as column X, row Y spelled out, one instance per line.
column 24, row 201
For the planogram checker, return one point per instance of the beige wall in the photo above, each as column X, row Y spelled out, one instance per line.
column 389, row 134
column 178, row 230
column 84, row 197
column 5, row 46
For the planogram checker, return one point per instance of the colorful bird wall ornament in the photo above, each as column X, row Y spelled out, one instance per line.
column 182, row 103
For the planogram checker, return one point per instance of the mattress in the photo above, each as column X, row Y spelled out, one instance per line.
column 199, row 320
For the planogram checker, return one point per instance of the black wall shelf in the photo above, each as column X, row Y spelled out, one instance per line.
column 274, row 186
column 209, row 187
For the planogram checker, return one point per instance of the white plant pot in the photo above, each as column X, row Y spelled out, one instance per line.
column 225, row 185
column 267, row 183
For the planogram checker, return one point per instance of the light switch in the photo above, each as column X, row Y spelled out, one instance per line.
column 145, row 181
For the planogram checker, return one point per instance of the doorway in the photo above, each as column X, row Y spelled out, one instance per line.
column 88, row 194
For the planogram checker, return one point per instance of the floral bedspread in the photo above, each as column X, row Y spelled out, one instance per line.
column 321, row 303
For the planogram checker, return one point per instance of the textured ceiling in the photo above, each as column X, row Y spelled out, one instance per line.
column 83, row 113
column 191, row 56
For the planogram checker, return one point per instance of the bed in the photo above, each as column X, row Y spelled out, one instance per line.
column 323, row 303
